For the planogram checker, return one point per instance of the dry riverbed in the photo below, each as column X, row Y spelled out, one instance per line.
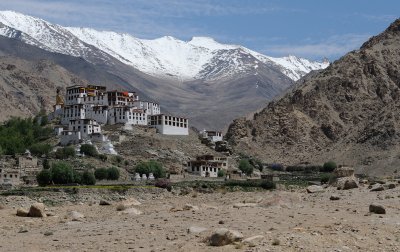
column 274, row 220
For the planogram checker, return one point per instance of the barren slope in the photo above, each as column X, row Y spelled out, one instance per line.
column 348, row 112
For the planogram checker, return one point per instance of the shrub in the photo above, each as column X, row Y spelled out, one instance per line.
column 40, row 149
column 89, row 150
column 118, row 159
column 112, row 173
column 221, row 173
column 66, row 152
column 101, row 173
column 329, row 166
column 44, row 178
column 151, row 166
column 277, row 167
column 102, row 157
column 268, row 185
column 88, row 178
column 163, row 183
column 1, row 150
column 325, row 178
column 245, row 166
column 62, row 173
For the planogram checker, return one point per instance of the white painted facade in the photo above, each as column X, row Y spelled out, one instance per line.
column 207, row 166
column 151, row 108
column 169, row 125
column 213, row 136
column 127, row 115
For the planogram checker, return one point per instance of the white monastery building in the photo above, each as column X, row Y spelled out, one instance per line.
column 86, row 108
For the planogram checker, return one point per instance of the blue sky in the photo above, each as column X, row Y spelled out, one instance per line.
column 309, row 28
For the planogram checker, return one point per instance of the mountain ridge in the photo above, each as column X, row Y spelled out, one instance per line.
column 348, row 112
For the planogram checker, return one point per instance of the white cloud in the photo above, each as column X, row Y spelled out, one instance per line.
column 333, row 47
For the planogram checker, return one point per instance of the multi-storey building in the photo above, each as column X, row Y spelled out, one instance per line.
column 207, row 165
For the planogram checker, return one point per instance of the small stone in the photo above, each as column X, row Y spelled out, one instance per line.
column 196, row 230
column 334, row 197
column 240, row 205
column 132, row 211
column 221, row 222
column 391, row 186
column 104, row 203
column 223, row 236
column 377, row 188
column 376, row 208
column 76, row 216
column 48, row 233
column 190, row 207
column 23, row 230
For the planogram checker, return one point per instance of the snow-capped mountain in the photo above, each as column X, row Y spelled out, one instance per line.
column 162, row 57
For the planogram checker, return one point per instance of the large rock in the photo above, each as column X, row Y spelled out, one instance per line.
column 377, row 188
column 22, row 212
column 376, row 208
column 315, row 189
column 223, row 236
column 128, row 203
column 347, row 183
column 37, row 210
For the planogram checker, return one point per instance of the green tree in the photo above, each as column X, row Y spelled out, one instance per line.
column 245, row 166
column 65, row 152
column 112, row 173
column 221, row 173
column 89, row 150
column 88, row 178
column 44, row 178
column 151, row 166
column 62, row 173
column 46, row 164
column 101, row 173
column 329, row 166
column 40, row 149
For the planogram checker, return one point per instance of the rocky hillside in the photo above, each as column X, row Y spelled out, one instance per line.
column 28, row 86
column 349, row 112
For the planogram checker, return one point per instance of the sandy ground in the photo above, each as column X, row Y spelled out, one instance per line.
column 298, row 220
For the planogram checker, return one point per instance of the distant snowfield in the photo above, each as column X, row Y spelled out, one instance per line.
column 165, row 56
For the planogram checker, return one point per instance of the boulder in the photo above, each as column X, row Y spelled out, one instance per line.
column 376, row 208
column 315, row 189
column 22, row 212
column 125, row 204
column 37, row 210
column 223, row 236
column 377, row 188
column 346, row 183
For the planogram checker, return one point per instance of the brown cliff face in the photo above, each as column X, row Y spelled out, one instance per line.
column 349, row 112
column 28, row 86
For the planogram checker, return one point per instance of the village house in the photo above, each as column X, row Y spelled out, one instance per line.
column 212, row 136
column 207, row 165
column 18, row 170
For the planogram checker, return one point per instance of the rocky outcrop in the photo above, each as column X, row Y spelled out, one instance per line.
column 348, row 112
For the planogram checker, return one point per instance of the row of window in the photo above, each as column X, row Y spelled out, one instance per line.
column 205, row 169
